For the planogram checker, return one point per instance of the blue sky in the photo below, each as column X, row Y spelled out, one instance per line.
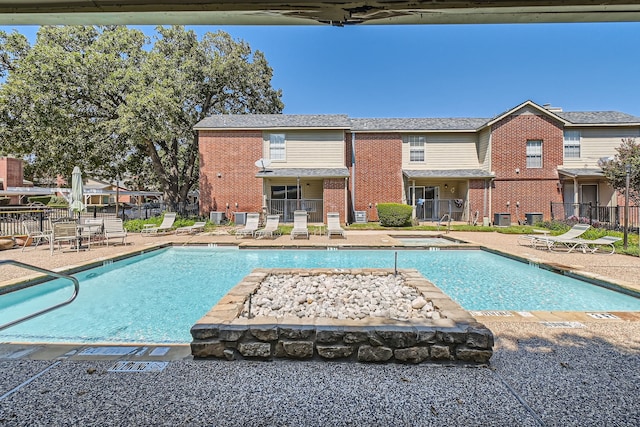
column 446, row 70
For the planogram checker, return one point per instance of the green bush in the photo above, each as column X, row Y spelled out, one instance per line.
column 40, row 199
column 394, row 214
column 57, row 201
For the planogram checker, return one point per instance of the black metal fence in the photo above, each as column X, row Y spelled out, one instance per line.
column 12, row 217
column 609, row 217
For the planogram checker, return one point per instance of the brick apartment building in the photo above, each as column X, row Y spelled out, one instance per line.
column 516, row 163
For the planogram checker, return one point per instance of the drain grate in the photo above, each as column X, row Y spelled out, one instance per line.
column 570, row 325
column 108, row 351
column 603, row 316
column 129, row 366
column 491, row 313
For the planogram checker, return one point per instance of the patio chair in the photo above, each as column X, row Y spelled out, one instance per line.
column 271, row 227
column 568, row 240
column 166, row 226
column 190, row 229
column 34, row 234
column 599, row 245
column 333, row 224
column 251, row 226
column 64, row 232
column 300, row 224
column 114, row 229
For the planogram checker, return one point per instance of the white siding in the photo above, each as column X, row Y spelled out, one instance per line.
column 484, row 149
column 309, row 149
column 597, row 143
column 445, row 151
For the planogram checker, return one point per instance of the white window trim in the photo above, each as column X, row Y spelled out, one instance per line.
column 572, row 143
column 417, row 144
column 284, row 147
column 531, row 156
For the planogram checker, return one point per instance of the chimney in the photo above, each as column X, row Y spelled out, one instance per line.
column 551, row 108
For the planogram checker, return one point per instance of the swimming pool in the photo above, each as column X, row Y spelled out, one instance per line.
column 158, row 296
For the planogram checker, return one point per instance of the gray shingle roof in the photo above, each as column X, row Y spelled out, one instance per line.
column 584, row 172
column 304, row 172
column 598, row 117
column 459, row 123
column 452, row 173
column 266, row 121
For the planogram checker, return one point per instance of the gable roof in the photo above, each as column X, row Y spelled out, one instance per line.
column 599, row 118
column 274, row 121
column 527, row 103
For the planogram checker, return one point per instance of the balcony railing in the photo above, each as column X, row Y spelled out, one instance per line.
column 285, row 208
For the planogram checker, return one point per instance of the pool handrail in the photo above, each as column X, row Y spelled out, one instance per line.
column 76, row 286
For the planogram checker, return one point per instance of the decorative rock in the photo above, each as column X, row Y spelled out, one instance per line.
column 264, row 334
column 329, row 336
column 334, row 351
column 367, row 353
column 298, row 349
column 255, row 349
column 412, row 354
column 473, row 355
column 212, row 348
column 418, row 303
column 440, row 352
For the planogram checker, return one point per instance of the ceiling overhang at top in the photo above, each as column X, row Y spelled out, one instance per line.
column 305, row 12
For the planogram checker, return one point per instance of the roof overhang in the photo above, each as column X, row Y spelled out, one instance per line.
column 305, row 12
column 450, row 173
column 521, row 106
column 304, row 173
column 582, row 173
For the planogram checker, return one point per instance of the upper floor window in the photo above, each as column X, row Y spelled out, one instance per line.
column 276, row 146
column 534, row 154
column 416, row 148
column 571, row 144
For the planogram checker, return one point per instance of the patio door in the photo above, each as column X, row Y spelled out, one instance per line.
column 426, row 202
column 589, row 194
column 284, row 200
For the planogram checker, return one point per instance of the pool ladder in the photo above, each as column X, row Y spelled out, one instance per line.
column 445, row 218
column 76, row 289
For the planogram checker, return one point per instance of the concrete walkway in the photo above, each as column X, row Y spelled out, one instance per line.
column 569, row 376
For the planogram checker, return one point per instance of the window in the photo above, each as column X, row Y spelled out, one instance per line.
column 571, row 144
column 534, row 154
column 416, row 148
column 276, row 146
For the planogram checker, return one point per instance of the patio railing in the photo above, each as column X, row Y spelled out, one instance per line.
column 285, row 208
column 609, row 217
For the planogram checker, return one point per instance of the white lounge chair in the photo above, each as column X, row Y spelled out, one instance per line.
column 333, row 224
column 270, row 229
column 568, row 240
column 250, row 227
column 34, row 234
column 190, row 229
column 300, row 224
column 599, row 245
column 113, row 229
column 166, row 226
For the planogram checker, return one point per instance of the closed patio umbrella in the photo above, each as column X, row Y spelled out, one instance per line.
column 77, row 196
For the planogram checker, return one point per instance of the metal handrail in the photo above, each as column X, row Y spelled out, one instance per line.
column 76, row 286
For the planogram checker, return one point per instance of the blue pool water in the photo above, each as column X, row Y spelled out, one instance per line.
column 157, row 297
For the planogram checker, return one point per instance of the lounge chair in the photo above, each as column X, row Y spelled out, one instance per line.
column 113, row 229
column 333, row 224
column 250, row 227
column 300, row 224
column 599, row 245
column 270, row 229
column 190, row 229
column 165, row 227
column 34, row 234
column 568, row 240
column 64, row 232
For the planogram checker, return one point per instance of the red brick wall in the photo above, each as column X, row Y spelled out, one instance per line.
column 533, row 188
column 378, row 171
column 232, row 154
column 11, row 172
column 333, row 197
column 477, row 199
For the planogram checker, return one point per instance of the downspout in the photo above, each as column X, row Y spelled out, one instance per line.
column 346, row 196
column 353, row 172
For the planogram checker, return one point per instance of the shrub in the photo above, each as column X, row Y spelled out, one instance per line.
column 40, row 199
column 394, row 214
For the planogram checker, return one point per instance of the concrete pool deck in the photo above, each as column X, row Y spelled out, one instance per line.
column 539, row 374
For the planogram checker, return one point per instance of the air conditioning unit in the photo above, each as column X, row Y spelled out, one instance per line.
column 361, row 217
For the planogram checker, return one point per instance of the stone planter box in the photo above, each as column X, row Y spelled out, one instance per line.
column 452, row 335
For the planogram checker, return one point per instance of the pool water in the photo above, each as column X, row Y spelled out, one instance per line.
column 157, row 297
